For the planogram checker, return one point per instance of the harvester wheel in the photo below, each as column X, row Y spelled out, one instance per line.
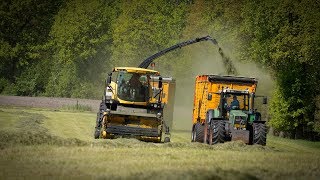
column 259, row 133
column 166, row 139
column 217, row 132
column 198, row 133
column 97, row 133
column 99, row 120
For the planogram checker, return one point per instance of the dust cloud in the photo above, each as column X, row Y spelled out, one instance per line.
column 212, row 60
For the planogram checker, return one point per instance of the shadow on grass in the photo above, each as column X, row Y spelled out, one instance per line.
column 29, row 131
column 134, row 143
column 215, row 173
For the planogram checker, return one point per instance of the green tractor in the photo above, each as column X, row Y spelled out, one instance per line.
column 224, row 111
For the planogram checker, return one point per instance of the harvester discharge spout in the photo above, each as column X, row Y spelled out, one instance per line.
column 230, row 68
column 150, row 59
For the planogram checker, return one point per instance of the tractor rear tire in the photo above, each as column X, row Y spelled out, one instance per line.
column 217, row 132
column 259, row 133
column 198, row 133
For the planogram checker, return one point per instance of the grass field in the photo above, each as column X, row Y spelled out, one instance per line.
column 38, row 143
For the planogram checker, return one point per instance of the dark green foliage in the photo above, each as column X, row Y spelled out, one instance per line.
column 81, row 39
column 283, row 36
column 25, row 26
column 144, row 28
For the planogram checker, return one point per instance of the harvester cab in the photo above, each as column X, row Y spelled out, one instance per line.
column 131, row 86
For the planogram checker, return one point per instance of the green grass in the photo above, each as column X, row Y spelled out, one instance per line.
column 76, row 107
column 37, row 143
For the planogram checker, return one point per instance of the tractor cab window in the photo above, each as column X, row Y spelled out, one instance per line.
column 133, row 86
column 236, row 101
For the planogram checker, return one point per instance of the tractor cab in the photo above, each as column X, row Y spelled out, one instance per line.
column 235, row 106
column 238, row 107
column 236, row 100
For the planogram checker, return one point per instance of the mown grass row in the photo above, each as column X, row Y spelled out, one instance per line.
column 39, row 143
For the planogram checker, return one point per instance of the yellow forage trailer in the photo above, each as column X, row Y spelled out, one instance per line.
column 223, row 110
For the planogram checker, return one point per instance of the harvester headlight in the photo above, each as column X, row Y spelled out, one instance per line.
column 108, row 95
column 159, row 115
column 108, row 111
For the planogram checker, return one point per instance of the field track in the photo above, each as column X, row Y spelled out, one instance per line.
column 47, row 102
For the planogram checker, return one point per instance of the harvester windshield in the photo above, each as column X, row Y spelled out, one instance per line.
column 133, row 86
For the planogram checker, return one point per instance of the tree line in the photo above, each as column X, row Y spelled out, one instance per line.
column 64, row 48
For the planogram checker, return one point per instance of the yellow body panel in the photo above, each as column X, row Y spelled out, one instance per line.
column 203, row 87
column 136, row 70
column 165, row 91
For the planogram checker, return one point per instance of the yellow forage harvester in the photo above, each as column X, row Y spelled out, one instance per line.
column 137, row 103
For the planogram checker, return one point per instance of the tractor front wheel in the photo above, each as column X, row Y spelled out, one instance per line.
column 259, row 133
column 217, row 132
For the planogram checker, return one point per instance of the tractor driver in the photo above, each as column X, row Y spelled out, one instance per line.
column 235, row 103
column 134, row 81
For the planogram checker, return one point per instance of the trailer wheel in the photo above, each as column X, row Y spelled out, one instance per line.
column 259, row 133
column 193, row 135
column 210, row 136
column 217, row 132
column 197, row 133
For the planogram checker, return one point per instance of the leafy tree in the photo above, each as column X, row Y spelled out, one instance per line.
column 144, row 28
column 25, row 26
column 81, row 39
column 283, row 37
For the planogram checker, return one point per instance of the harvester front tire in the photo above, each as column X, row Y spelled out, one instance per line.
column 217, row 132
column 166, row 140
column 259, row 133
column 97, row 133
column 99, row 120
column 198, row 133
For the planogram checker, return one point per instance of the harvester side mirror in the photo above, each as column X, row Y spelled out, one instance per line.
column 160, row 83
column 265, row 100
column 109, row 78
